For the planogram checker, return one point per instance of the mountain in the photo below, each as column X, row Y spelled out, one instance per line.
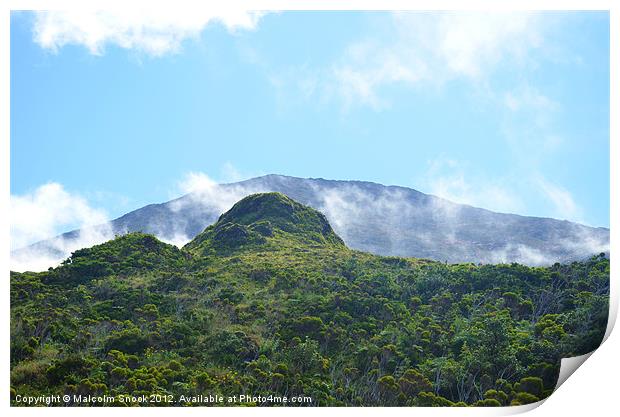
column 269, row 302
column 268, row 219
column 385, row 220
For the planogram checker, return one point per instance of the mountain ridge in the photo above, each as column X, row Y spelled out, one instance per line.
column 385, row 220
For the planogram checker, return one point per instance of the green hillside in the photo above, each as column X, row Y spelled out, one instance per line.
column 260, row 221
column 269, row 301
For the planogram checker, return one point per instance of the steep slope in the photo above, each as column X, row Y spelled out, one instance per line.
column 386, row 220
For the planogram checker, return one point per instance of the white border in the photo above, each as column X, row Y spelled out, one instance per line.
column 592, row 392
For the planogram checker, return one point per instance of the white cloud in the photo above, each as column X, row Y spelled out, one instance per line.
column 48, row 211
column 526, row 193
column 196, row 182
column 56, row 250
column 350, row 208
column 230, row 173
column 528, row 98
column 471, row 44
column 179, row 239
column 206, row 191
column 580, row 243
column 447, row 178
column 152, row 30
column 522, row 254
column 434, row 48
column 564, row 205
column 528, row 123
column 368, row 66
column 200, row 188
column 586, row 241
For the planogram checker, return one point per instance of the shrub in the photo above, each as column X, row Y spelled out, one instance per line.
column 128, row 341
column 531, row 384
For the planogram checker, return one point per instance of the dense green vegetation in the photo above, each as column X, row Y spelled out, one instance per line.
column 270, row 301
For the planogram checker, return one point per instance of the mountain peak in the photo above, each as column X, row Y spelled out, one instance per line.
column 263, row 206
column 264, row 218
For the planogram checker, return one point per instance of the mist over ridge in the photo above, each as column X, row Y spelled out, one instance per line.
column 384, row 220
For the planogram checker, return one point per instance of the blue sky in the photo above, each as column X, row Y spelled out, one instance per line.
column 507, row 112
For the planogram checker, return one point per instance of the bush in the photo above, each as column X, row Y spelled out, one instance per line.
column 234, row 347
column 499, row 396
column 531, row 384
column 413, row 382
column 489, row 402
column 128, row 341
column 524, row 398
column 68, row 369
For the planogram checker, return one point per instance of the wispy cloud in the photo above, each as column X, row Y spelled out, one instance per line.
column 46, row 212
column 564, row 205
column 400, row 221
column 154, row 31
column 456, row 181
column 196, row 182
column 202, row 193
column 434, row 48
column 529, row 124
column 526, row 97
column 202, row 189
column 452, row 180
